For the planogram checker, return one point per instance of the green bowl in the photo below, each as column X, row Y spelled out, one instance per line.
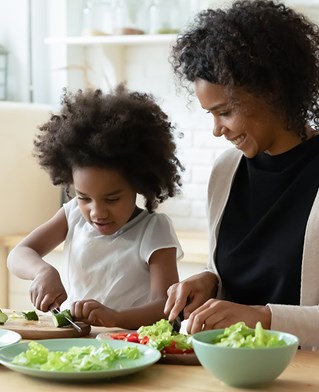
column 243, row 367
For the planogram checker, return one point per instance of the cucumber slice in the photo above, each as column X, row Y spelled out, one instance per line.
column 3, row 317
column 32, row 315
column 59, row 319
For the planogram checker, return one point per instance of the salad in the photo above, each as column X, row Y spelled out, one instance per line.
column 76, row 359
column 239, row 335
column 160, row 336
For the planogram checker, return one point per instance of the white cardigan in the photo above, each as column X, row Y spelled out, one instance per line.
column 303, row 320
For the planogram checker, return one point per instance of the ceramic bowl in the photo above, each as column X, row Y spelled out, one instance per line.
column 243, row 367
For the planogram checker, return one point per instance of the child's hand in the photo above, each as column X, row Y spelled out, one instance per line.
column 94, row 313
column 47, row 290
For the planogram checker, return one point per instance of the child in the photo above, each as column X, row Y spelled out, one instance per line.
column 120, row 259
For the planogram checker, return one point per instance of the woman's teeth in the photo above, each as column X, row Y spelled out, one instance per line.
column 238, row 140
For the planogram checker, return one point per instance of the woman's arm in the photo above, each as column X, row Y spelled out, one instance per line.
column 301, row 321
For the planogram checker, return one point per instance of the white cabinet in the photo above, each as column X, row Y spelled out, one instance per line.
column 103, row 61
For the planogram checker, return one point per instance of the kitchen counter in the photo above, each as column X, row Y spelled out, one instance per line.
column 301, row 375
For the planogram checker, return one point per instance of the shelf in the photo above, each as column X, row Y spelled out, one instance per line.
column 143, row 39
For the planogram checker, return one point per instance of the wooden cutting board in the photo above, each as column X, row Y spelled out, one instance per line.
column 43, row 328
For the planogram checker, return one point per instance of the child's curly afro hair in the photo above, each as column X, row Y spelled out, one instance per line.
column 122, row 130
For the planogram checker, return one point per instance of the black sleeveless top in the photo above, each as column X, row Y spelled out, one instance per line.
column 260, row 242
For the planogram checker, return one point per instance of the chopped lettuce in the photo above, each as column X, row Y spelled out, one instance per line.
column 239, row 335
column 161, row 334
column 76, row 359
column 3, row 317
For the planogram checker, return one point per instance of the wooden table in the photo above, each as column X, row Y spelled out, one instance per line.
column 302, row 375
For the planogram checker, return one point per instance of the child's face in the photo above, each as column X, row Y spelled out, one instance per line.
column 107, row 201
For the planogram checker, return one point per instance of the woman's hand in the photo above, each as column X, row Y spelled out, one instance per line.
column 46, row 289
column 94, row 313
column 215, row 314
column 190, row 294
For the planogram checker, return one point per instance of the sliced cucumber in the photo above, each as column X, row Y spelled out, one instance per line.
column 32, row 315
column 3, row 317
column 59, row 319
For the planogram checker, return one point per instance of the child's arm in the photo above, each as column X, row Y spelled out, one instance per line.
column 25, row 261
column 163, row 272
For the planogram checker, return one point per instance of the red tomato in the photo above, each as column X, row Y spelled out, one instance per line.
column 172, row 349
column 119, row 336
column 132, row 337
column 144, row 340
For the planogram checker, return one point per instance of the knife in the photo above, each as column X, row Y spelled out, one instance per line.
column 75, row 326
column 177, row 322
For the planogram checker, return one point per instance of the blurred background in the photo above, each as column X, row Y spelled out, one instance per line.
column 53, row 44
column 46, row 45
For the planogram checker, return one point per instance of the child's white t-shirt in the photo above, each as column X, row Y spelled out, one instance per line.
column 113, row 269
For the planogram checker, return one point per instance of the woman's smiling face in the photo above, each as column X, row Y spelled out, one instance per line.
column 246, row 120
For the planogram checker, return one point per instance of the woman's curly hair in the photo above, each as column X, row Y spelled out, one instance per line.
column 123, row 130
column 262, row 46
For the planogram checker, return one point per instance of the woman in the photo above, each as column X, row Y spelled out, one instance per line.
column 255, row 69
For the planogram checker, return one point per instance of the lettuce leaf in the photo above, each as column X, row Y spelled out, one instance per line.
column 239, row 335
column 81, row 359
column 161, row 334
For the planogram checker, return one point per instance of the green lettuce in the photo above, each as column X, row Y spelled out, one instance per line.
column 239, row 335
column 76, row 359
column 161, row 334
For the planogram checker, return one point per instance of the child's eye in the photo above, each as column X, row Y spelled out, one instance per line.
column 83, row 198
column 112, row 200
column 225, row 113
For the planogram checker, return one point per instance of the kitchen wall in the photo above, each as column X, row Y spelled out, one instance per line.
column 144, row 67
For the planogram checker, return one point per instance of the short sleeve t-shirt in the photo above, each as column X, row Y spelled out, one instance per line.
column 113, row 269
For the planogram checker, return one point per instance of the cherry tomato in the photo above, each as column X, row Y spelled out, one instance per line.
column 132, row 337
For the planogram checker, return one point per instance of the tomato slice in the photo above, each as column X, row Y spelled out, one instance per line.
column 132, row 337
column 119, row 336
column 173, row 349
column 144, row 340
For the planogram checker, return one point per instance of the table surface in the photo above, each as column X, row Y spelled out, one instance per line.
column 301, row 375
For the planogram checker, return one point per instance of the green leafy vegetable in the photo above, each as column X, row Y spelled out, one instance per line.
column 239, row 335
column 3, row 317
column 32, row 315
column 76, row 359
column 161, row 334
column 59, row 319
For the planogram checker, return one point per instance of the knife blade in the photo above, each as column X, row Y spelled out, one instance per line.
column 177, row 322
column 75, row 326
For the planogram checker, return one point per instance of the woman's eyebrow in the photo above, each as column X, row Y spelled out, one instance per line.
column 217, row 106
